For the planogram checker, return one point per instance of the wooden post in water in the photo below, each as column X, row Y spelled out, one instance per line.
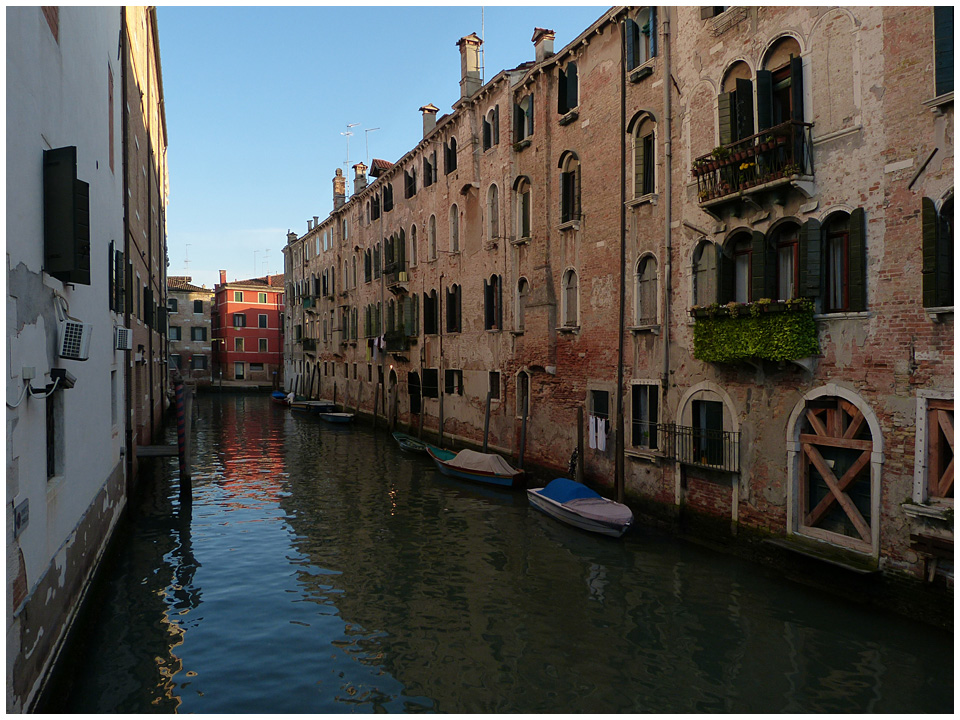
column 376, row 401
column 486, row 423
column 182, row 436
column 420, row 428
column 523, row 437
column 579, row 477
column 334, row 394
column 393, row 408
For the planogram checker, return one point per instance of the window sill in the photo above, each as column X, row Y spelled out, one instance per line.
column 516, row 333
column 648, row 199
column 570, row 225
column 842, row 315
column 932, row 509
column 521, row 145
column 937, row 104
column 569, row 117
column 642, row 71
column 568, row 329
column 648, row 455
column 493, row 330
column 520, row 241
column 637, row 329
column 936, row 313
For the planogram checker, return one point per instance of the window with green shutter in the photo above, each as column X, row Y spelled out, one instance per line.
column 943, row 49
column 937, row 270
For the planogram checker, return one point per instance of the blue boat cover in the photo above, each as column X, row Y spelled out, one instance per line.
column 563, row 490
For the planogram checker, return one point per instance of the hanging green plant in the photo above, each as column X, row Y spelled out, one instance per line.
column 732, row 336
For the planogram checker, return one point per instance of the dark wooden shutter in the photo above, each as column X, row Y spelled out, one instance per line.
column 810, row 254
column 487, row 305
column 459, row 316
column 576, row 193
column 945, row 257
column 796, row 89
column 631, row 34
column 725, row 113
column 111, row 268
column 148, row 307
column 929, row 269
column 943, row 48
column 639, row 165
column 499, row 300
column 530, row 116
column 561, row 92
column 764, row 100
column 517, row 123
column 496, row 124
column 653, row 30
column 758, row 266
column 726, row 277
column 744, row 113
column 858, row 261
column 572, row 86
column 119, row 285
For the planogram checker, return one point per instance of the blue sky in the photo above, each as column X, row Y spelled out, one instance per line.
column 257, row 98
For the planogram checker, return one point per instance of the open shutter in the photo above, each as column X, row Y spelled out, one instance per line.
column 725, row 111
column 758, row 266
column 726, row 279
column 572, row 86
column 530, row 116
column 796, row 89
column 631, row 32
column 764, row 100
column 499, row 303
column 943, row 48
column 517, row 123
column 561, row 92
column 496, row 125
column 810, row 252
column 929, row 270
column 653, row 31
column 118, row 282
column 858, row 261
column 459, row 315
column 487, row 305
column 744, row 113
column 639, row 160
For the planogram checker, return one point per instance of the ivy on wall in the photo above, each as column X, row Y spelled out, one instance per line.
column 761, row 330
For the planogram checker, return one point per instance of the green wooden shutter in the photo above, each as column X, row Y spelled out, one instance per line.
column 726, row 280
column 744, row 113
column 572, row 86
column 943, row 48
column 499, row 302
column 811, row 254
column 517, row 123
column 764, row 100
column 561, row 92
column 496, row 124
column 858, row 261
column 459, row 293
column 576, row 193
column 929, row 270
column 796, row 89
column 631, row 33
column 758, row 266
column 653, row 31
column 530, row 116
column 725, row 112
column 945, row 258
column 639, row 159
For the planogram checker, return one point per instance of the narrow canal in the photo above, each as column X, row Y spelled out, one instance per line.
column 321, row 569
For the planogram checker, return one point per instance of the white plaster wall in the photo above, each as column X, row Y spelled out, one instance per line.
column 57, row 95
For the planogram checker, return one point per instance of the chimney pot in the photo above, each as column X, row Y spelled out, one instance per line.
column 360, row 178
column 223, row 277
column 429, row 118
column 543, row 43
column 469, row 64
column 339, row 189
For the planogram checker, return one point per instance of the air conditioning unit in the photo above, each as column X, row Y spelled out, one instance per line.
column 124, row 337
column 74, row 339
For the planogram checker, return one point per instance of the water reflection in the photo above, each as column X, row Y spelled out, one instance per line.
column 320, row 569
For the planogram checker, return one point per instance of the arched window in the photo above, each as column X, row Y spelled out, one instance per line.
column 523, row 294
column 646, row 291
column 641, row 36
column 354, row 271
column 569, row 188
column 571, row 291
column 741, row 256
column 491, row 128
column 523, row 209
column 413, row 244
column 780, row 84
column 432, row 238
column 705, row 274
column 493, row 213
column 937, row 269
column 454, row 229
column 450, row 156
column 644, row 158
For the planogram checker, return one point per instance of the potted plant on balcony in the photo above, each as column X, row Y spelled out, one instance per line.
column 721, row 154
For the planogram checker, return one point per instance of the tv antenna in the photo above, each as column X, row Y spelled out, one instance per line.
column 186, row 260
column 348, row 134
column 367, row 138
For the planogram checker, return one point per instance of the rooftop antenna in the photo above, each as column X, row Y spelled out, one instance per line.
column 367, row 138
column 186, row 260
column 348, row 134
column 255, row 262
column 483, row 78
column 266, row 262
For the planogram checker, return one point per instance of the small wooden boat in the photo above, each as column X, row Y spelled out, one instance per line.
column 477, row 466
column 336, row 417
column 280, row 398
column 578, row 505
column 408, row 442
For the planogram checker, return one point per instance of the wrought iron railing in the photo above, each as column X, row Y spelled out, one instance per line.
column 772, row 154
column 395, row 273
column 396, row 340
column 713, row 449
column 310, row 344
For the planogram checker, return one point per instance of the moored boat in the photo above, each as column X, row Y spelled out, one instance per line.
column 472, row 465
column 336, row 417
column 410, row 443
column 577, row 505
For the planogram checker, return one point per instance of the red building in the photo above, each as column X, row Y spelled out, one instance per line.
column 248, row 330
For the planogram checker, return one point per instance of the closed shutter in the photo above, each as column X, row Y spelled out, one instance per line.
column 943, row 48
column 858, row 261
column 572, row 86
column 487, row 305
column 128, row 293
column 744, row 113
column 811, row 254
column 764, row 100
column 499, row 300
column 496, row 125
column 118, row 282
column 148, row 307
column 110, row 277
column 561, row 92
column 631, row 33
column 408, row 316
column 639, row 160
column 576, row 193
column 929, row 270
column 725, row 112
column 653, row 31
column 726, row 277
column 758, row 267
column 796, row 89
column 459, row 318
column 517, row 123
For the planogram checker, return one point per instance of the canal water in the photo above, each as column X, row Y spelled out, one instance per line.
column 321, row 569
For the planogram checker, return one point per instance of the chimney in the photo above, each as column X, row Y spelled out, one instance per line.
column 339, row 189
column 223, row 277
column 316, row 221
column 309, row 225
column 291, row 237
column 429, row 118
column 543, row 43
column 469, row 64
column 360, row 178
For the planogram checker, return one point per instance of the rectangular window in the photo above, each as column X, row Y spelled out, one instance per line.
column 430, row 384
column 262, row 298
column 238, row 344
column 198, row 306
column 645, row 403
column 600, row 403
column 494, row 386
column 261, row 321
column 453, row 309
column 172, row 304
column 263, row 345
column 198, row 334
column 239, row 320
column 453, row 382
column 238, row 371
column 492, row 304
column 943, row 49
column 198, row 362
column 256, row 367
column 238, row 296
column 174, row 332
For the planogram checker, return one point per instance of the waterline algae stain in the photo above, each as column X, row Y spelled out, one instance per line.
column 322, row 569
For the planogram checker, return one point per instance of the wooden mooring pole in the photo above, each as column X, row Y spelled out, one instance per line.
column 523, row 438
column 486, row 424
column 376, row 403
column 579, row 477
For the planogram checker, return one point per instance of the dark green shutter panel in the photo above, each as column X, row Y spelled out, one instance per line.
column 929, row 271
column 148, row 306
column 530, row 116
column 561, row 92
column 459, row 292
column 112, row 281
column 499, row 303
column 487, row 305
column 810, row 252
column 858, row 261
column 943, row 48
column 726, row 280
column 517, row 123
column 639, row 164
column 764, row 100
column 576, row 193
column 572, row 86
column 796, row 89
column 744, row 111
column 653, row 30
column 725, row 112
column 758, row 266
column 119, row 282
column 945, row 259
column 496, row 125
column 408, row 316
column 630, row 32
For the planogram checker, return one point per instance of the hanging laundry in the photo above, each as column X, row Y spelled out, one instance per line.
column 601, row 434
column 592, row 420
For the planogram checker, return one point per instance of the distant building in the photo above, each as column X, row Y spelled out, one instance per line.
column 86, row 254
column 189, row 331
column 248, row 331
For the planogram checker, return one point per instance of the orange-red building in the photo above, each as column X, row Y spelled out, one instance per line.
column 247, row 319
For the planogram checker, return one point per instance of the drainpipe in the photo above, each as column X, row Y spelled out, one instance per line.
column 668, row 196
column 618, row 478
column 440, row 321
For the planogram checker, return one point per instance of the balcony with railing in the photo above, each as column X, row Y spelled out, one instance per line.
column 769, row 160
column 701, row 447
column 396, row 276
column 309, row 344
column 396, row 340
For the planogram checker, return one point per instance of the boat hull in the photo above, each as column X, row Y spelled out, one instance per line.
column 506, row 481
column 411, row 444
column 569, row 516
column 337, row 417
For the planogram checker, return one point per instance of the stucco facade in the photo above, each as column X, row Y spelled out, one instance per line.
column 611, row 243
column 248, row 331
column 189, row 330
